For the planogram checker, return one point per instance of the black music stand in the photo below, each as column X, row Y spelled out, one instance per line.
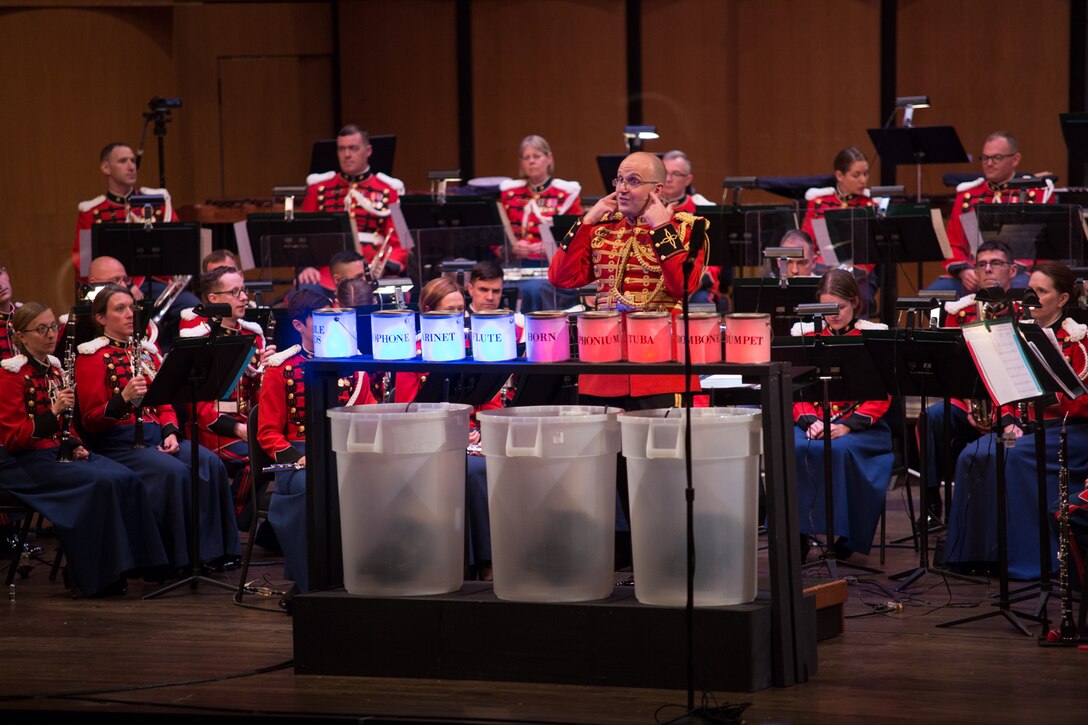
column 926, row 363
column 307, row 240
column 1034, row 231
column 198, row 369
column 845, row 372
column 918, row 145
column 905, row 233
column 738, row 234
column 763, row 294
column 473, row 389
column 323, row 156
column 160, row 250
column 1075, row 133
column 462, row 227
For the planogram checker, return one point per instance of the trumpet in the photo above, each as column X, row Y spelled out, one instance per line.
column 168, row 296
column 381, row 257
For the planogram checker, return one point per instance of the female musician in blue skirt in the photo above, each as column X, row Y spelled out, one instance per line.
column 861, row 442
column 113, row 372
column 972, row 541
column 101, row 512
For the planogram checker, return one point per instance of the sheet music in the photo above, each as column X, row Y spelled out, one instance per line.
column 403, row 233
column 547, row 238
column 1001, row 362
column 245, row 248
column 1055, row 363
column 85, row 252
column 206, row 242
column 942, row 235
column 969, row 222
column 823, row 242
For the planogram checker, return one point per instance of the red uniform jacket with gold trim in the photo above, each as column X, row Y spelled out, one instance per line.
column 635, row 268
column 103, row 369
column 855, row 415
column 281, row 419
column 527, row 208
column 369, row 197
column 27, row 421
column 972, row 193
column 113, row 209
column 217, row 419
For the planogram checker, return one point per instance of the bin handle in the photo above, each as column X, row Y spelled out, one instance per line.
column 674, row 451
column 537, row 449
column 373, row 445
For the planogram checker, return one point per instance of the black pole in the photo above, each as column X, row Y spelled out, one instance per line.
column 337, row 91
column 466, row 148
column 888, row 90
column 634, row 62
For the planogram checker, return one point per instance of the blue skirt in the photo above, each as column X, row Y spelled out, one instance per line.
column 972, row 522
column 861, row 469
column 287, row 517
column 167, row 479
column 101, row 513
column 477, row 513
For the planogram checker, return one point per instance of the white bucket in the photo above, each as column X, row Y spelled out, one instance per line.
column 726, row 445
column 402, row 496
column 393, row 334
column 442, row 335
column 551, row 485
column 335, row 333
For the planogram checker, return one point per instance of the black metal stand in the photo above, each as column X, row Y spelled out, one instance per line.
column 1003, row 604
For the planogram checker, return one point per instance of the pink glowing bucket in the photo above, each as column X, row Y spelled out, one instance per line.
column 547, row 336
column 494, row 335
column 649, row 337
column 748, row 338
column 706, row 337
column 393, row 334
column 599, row 336
column 442, row 335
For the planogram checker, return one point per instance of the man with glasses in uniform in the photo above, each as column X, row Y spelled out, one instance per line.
column 1000, row 157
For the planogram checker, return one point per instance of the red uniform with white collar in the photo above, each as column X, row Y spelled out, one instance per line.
column 217, row 419
column 103, row 369
column 827, row 198
column 369, row 197
column 855, row 416
column 27, row 421
column 635, row 268
column 112, row 209
column 972, row 193
column 281, row 418
column 529, row 206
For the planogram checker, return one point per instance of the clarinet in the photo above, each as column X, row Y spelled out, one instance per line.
column 68, row 381
column 1066, row 632
column 136, row 357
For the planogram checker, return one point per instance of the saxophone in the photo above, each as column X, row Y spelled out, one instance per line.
column 65, row 452
column 1066, row 632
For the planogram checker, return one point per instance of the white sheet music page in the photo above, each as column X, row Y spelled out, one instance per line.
column 969, row 223
column 1001, row 361
column 942, row 235
column 823, row 242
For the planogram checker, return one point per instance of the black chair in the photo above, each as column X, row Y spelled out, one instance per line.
column 13, row 508
column 258, row 491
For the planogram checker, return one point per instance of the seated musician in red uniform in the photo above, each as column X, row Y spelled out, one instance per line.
column 212, row 260
column 223, row 428
column 113, row 373
column 282, row 430
column 680, row 195
column 994, row 267
column 1000, row 157
column 851, row 189
column 861, row 442
column 367, row 195
column 102, row 513
column 803, row 266
column 530, row 202
column 7, row 308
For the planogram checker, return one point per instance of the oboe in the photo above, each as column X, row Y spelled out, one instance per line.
column 1066, row 632
column 68, row 381
column 136, row 358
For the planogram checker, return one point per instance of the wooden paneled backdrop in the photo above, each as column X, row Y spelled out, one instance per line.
column 749, row 87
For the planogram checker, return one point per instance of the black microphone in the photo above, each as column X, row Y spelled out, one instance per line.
column 221, row 310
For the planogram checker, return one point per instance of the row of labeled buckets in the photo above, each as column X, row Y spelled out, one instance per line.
column 551, row 474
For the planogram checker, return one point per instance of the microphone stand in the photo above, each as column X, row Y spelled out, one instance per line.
column 687, row 268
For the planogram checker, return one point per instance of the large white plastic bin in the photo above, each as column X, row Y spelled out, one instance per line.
column 551, row 483
column 401, row 473
column 726, row 445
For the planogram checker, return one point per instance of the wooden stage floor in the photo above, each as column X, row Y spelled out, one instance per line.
column 197, row 654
